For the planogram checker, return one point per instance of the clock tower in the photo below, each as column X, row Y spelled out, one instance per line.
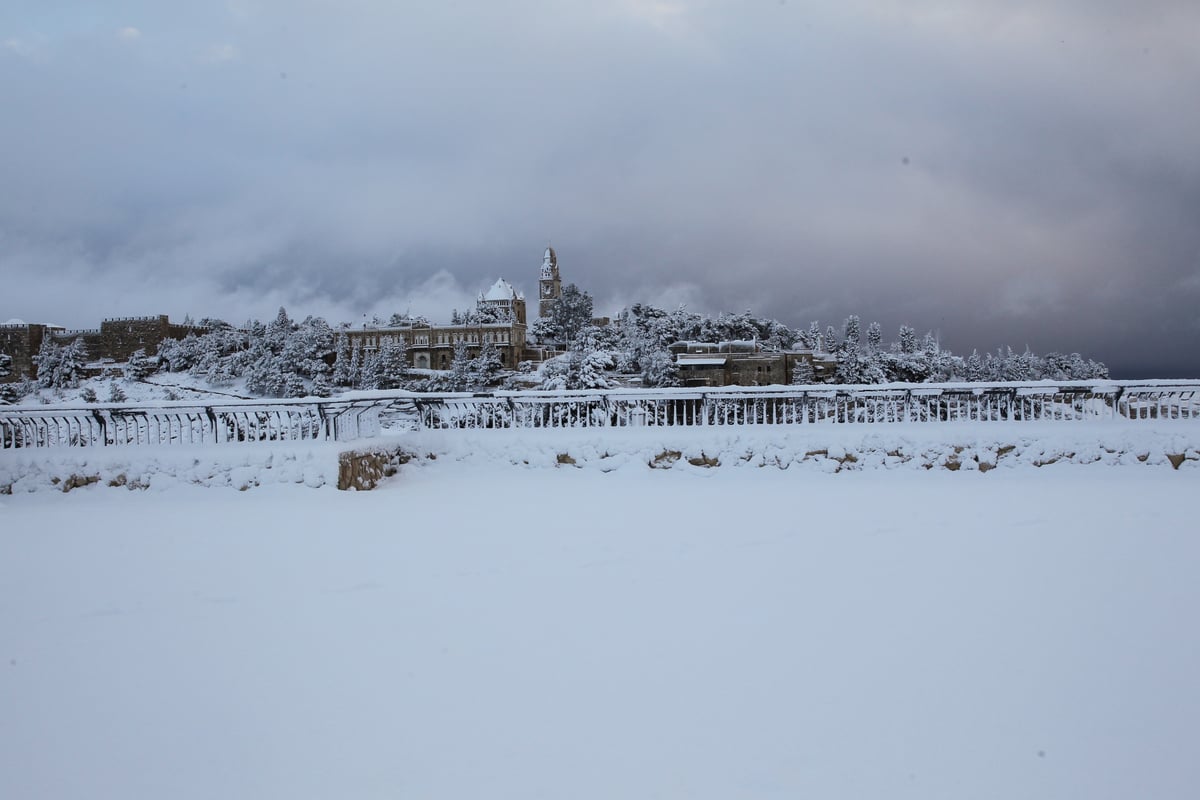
column 549, row 285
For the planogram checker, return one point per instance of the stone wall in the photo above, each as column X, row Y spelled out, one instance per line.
column 22, row 343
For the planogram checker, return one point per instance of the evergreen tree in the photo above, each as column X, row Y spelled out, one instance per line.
column 321, row 387
column 813, row 338
column 371, row 374
column 294, row 386
column 831, row 339
column 5, row 365
column 87, row 394
column 265, row 376
column 460, row 378
column 974, row 367
column 393, row 363
column 342, row 371
column 908, row 340
column 850, row 330
column 60, row 367
column 874, row 337
column 139, row 367
column 802, row 373
column 487, row 367
column 115, row 393
column 355, row 371
column 659, row 368
column 568, row 315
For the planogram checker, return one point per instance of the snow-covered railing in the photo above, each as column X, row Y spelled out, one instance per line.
column 358, row 415
column 110, row 424
column 797, row 405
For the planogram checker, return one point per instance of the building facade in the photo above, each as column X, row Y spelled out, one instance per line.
column 549, row 283
column 745, row 364
column 432, row 346
column 115, row 340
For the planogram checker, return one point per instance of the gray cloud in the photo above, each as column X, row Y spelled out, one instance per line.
column 1002, row 173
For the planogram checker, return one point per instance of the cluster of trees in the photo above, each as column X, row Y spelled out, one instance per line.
column 868, row 360
column 280, row 359
column 60, row 366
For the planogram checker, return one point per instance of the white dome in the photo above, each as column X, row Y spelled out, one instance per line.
column 501, row 290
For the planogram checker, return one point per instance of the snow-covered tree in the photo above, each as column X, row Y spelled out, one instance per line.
column 342, row 374
column 568, row 315
column 5, row 365
column 974, row 367
column 393, row 363
column 874, row 336
column 486, row 367
column 659, row 368
column 140, row 366
column 370, row 376
column 321, row 387
column 802, row 373
column 294, row 385
column 115, row 393
column 87, row 394
column 60, row 367
column 265, row 376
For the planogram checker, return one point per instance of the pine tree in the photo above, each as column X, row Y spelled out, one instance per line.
column 831, row 339
column 813, row 340
column 569, row 314
column 802, row 373
column 874, row 337
column 294, row 386
column 850, row 330
column 5, row 365
column 355, row 370
column 115, row 393
column 460, row 377
column 139, row 366
column 343, row 370
column 487, row 367
column 371, row 374
column 87, row 394
column 974, row 367
column 321, row 387
column 659, row 368
column 908, row 340
column 393, row 363
column 60, row 367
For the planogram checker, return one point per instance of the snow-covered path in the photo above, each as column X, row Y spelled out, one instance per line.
column 1025, row 633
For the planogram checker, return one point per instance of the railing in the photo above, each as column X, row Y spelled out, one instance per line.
column 358, row 416
column 795, row 405
column 183, row 423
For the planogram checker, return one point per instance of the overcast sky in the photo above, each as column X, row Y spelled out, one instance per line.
column 1023, row 173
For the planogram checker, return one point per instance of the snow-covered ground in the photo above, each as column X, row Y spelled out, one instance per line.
column 483, row 627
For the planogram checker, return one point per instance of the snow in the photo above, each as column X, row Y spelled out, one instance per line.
column 484, row 627
column 501, row 290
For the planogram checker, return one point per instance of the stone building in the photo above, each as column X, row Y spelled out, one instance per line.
column 115, row 340
column 745, row 364
column 549, row 283
column 22, row 341
column 506, row 301
column 432, row 346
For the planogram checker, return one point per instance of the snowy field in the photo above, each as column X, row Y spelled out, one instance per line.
column 476, row 629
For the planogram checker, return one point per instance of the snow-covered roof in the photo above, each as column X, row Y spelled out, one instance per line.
column 15, row 321
column 501, row 290
column 686, row 361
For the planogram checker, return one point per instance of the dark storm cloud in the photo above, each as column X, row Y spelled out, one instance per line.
column 999, row 172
